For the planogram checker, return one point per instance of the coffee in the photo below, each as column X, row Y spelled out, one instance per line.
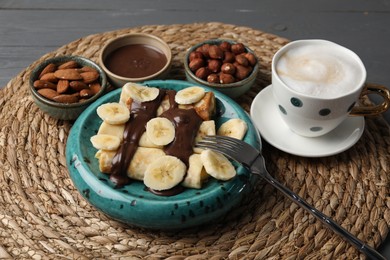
column 320, row 70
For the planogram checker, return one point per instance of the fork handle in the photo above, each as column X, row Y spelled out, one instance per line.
column 370, row 252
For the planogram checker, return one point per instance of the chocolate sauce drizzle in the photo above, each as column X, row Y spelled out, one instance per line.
column 186, row 122
column 140, row 114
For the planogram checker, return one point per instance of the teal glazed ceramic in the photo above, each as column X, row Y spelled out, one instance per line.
column 133, row 204
column 232, row 90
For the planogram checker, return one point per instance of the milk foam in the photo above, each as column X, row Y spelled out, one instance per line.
column 319, row 70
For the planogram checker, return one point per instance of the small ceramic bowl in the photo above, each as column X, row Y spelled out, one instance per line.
column 65, row 111
column 135, row 57
column 232, row 90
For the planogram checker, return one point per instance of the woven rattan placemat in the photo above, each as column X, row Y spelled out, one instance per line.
column 43, row 216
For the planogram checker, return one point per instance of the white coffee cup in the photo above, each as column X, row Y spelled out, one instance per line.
column 316, row 84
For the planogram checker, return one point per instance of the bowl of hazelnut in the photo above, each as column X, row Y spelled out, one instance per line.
column 64, row 86
column 225, row 65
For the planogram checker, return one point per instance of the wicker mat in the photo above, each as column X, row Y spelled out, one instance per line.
column 42, row 216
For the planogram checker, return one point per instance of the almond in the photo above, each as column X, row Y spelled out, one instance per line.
column 39, row 84
column 49, row 77
column 48, row 93
column 68, row 65
column 69, row 74
column 78, row 85
column 51, row 67
column 86, row 93
column 66, row 98
column 89, row 76
column 95, row 87
column 88, row 68
column 62, row 86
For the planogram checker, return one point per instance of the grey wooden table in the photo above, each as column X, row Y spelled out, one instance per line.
column 30, row 29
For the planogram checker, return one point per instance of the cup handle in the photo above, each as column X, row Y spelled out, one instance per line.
column 371, row 88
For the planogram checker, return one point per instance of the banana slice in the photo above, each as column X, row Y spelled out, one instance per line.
column 160, row 131
column 196, row 174
column 164, row 173
column 108, row 129
column 140, row 93
column 113, row 113
column 141, row 159
column 205, row 128
column 189, row 95
column 217, row 165
column 105, row 142
column 234, row 127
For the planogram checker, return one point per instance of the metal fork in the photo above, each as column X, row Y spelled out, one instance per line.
column 253, row 160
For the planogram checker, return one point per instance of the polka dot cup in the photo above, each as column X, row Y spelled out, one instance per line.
column 317, row 84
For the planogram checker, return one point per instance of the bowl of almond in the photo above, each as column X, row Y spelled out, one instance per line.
column 64, row 86
column 225, row 65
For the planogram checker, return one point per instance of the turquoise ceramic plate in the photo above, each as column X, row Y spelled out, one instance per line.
column 133, row 204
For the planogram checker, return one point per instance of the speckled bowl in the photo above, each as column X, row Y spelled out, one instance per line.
column 135, row 38
column 232, row 90
column 133, row 204
column 61, row 110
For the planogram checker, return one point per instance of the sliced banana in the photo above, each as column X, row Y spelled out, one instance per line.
column 189, row 95
column 160, row 131
column 113, row 113
column 105, row 142
column 196, row 174
column 164, row 173
column 234, row 127
column 140, row 93
column 205, row 128
column 108, row 129
column 217, row 165
column 141, row 159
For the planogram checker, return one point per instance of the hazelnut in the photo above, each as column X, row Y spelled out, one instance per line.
column 213, row 78
column 242, row 60
column 195, row 54
column 196, row 64
column 229, row 57
column 226, row 78
column 214, row 65
column 251, row 58
column 242, row 72
column 225, row 46
column 238, row 48
column 215, row 52
column 228, row 68
column 202, row 73
column 205, row 50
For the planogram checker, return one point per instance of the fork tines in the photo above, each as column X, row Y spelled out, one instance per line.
column 226, row 145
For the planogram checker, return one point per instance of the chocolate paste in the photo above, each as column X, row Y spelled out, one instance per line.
column 135, row 61
column 186, row 122
column 140, row 114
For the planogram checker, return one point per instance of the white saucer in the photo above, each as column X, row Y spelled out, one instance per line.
column 273, row 129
